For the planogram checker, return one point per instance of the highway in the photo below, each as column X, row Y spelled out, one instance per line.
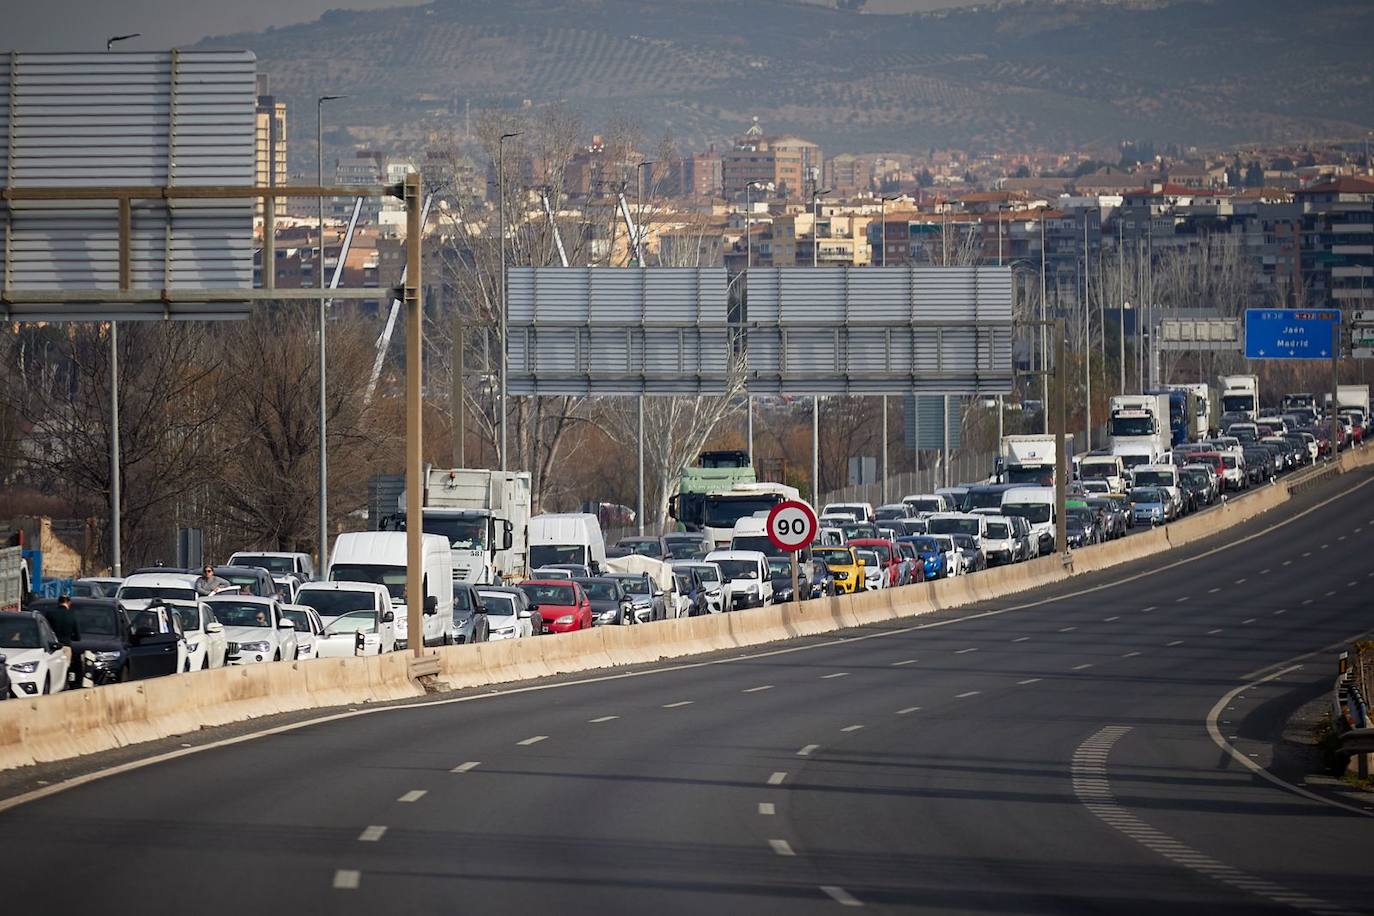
column 1048, row 753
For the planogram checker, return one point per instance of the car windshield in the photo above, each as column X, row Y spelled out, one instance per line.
column 965, row 542
column 393, row 577
column 779, row 566
column 738, row 569
column 888, row 513
column 833, row 555
column 981, row 499
column 498, row 605
column 242, row 614
column 239, row 579
column 926, row 505
column 463, row 533
column 723, row 512
column 300, row 618
column 332, row 603
column 271, row 564
column 1000, row 530
column 142, row 592
column 549, row 554
column 1082, row 516
column 1097, row 470
column 707, row 574
column 353, row 622
column 650, row 547
column 189, row 616
column 954, row 526
column 19, row 633
column 762, row 543
column 868, row 557
column 599, row 590
column 1195, row 478
column 683, row 550
column 925, row 545
column 96, row 621
column 92, row 590
column 1145, row 495
column 1035, row 513
column 549, row 594
column 1154, row 478
column 635, row 585
column 857, row 530
column 883, row 551
column 1228, row 461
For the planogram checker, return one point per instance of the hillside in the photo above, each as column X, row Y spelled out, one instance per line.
column 1009, row 75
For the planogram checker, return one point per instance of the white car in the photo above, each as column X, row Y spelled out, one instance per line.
column 206, row 644
column 309, row 626
column 746, row 577
column 37, row 662
column 954, row 557
column 713, row 583
column 255, row 628
column 875, row 575
column 366, row 632
column 287, row 586
column 138, row 591
column 334, row 599
column 503, row 616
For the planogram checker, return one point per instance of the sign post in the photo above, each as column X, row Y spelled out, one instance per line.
column 792, row 527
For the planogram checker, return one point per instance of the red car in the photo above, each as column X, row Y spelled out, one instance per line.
column 887, row 552
column 562, row 605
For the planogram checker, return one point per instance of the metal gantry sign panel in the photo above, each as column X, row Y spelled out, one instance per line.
column 1291, row 333
column 613, row 331
column 1194, row 334
column 177, row 119
column 945, row 330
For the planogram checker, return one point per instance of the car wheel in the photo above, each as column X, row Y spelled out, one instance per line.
column 276, row 656
column 187, row 667
column 205, row 665
column 448, row 638
column 47, row 683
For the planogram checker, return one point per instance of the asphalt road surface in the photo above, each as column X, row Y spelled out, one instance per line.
column 1043, row 754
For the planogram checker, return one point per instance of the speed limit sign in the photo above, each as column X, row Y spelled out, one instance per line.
column 791, row 525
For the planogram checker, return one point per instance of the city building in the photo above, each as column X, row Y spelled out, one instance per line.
column 269, row 159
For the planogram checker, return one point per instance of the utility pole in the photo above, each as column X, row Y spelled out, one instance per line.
column 1087, row 345
column 501, row 241
column 1121, row 297
column 1044, row 336
column 1063, row 461
column 323, row 392
column 414, row 407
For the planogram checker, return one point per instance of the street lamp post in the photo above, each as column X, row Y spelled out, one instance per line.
column 748, row 263
column 883, row 237
column 815, row 399
column 501, row 241
column 639, row 255
column 319, row 269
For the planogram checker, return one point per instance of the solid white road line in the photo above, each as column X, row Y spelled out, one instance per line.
column 603, row 719
column 969, row 693
column 535, row 740
column 841, row 896
column 826, row 677
column 1027, row 681
column 766, row 808
column 782, row 847
column 465, row 767
column 777, row 778
column 908, row 710
column 757, row 689
column 808, row 750
column 851, row 728
column 346, row 879
column 413, row 795
column 678, row 704
column 371, row 834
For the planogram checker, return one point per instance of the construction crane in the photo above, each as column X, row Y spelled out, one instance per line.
column 553, row 225
column 384, row 341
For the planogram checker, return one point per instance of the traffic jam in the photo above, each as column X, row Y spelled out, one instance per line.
column 492, row 571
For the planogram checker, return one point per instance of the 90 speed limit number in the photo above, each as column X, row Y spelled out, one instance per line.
column 792, row 525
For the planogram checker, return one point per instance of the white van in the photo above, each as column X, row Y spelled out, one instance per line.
column 1037, row 506
column 958, row 523
column 380, row 557
column 746, row 577
column 1106, row 468
column 751, row 533
column 862, row 512
column 567, row 537
column 1160, row 475
column 924, row 504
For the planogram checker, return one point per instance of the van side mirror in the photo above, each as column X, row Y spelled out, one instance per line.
column 507, row 535
column 388, row 617
column 431, row 605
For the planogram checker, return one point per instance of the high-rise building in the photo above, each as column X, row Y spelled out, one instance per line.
column 270, row 157
column 757, row 159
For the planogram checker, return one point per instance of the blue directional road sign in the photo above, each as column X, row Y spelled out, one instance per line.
column 1291, row 333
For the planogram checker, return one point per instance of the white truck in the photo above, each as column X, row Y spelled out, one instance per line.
column 1030, row 460
column 1356, row 397
column 1107, row 468
column 1240, row 394
column 1138, row 428
column 14, row 578
column 1205, row 417
column 485, row 515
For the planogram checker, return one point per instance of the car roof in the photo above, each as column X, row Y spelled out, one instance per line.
column 252, row 599
column 160, row 579
column 736, row 555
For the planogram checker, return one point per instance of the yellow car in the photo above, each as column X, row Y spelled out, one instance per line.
column 844, row 565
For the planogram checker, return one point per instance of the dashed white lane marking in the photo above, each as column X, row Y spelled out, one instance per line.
column 808, row 750
column 1176, row 642
column 1307, row 601
column 1213, row 591
column 1028, row 681
column 1330, row 593
column 1307, row 553
column 1248, row 620
column 757, row 689
column 1130, row 655
column 1091, row 785
column 1083, row 667
column 679, row 704
column 851, row 728
column 603, row 719
column 413, row 795
column 826, row 677
column 371, row 834
column 908, row 710
column 1264, row 572
column 1110, row 619
column 465, row 767
column 905, row 661
column 967, row 694
column 1287, row 562
column 1146, row 610
column 841, row 896
column 777, row 778
column 1282, row 610
column 966, row 651
column 1215, row 632
column 1240, row 581
column 1181, row 600
column 535, row 740
column 767, row 809
column 782, row 847
column 1351, row 584
column 1341, row 538
column 1067, row 629
column 1021, row 639
column 346, row 879
column 1324, row 546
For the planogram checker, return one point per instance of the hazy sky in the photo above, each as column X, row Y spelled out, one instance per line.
column 81, row 25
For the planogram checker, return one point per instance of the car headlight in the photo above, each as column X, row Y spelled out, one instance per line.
column 841, row 576
column 260, row 646
column 192, row 646
column 606, row 616
column 565, row 619
column 24, row 667
column 506, row 631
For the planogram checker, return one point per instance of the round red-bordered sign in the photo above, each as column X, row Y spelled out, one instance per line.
column 792, row 525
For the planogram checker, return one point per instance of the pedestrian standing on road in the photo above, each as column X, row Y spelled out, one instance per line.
column 207, row 583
